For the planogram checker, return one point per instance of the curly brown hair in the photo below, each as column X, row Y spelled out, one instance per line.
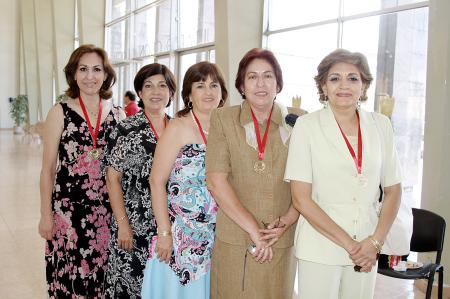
column 338, row 56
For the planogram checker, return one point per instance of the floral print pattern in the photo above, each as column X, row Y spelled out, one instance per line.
column 130, row 151
column 192, row 211
column 76, row 257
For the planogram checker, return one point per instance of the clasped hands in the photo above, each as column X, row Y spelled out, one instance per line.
column 363, row 254
column 265, row 238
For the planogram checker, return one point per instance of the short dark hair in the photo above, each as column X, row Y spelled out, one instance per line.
column 155, row 69
column 338, row 56
column 199, row 72
column 258, row 53
column 72, row 65
column 129, row 94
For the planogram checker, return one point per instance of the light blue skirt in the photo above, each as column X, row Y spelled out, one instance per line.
column 161, row 282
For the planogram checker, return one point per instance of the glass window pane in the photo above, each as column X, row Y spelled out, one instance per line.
column 140, row 3
column 299, row 61
column 144, row 33
column 116, row 8
column 289, row 13
column 115, row 41
column 163, row 26
column 396, row 46
column 352, row 7
column 196, row 22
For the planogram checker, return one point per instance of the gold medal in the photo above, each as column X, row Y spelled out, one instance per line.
column 259, row 166
column 93, row 154
column 362, row 180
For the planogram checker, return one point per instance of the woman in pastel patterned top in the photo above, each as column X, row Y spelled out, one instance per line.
column 180, row 255
column 75, row 211
column 129, row 159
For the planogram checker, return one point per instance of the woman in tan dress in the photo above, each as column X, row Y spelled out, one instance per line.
column 245, row 162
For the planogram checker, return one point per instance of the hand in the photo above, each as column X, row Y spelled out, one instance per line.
column 273, row 231
column 46, row 227
column 264, row 252
column 365, row 256
column 164, row 247
column 125, row 236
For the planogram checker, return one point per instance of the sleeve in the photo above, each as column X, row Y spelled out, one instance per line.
column 116, row 150
column 217, row 152
column 299, row 163
column 392, row 168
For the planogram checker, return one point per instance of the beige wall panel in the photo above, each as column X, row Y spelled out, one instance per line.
column 9, row 58
column 91, row 19
column 436, row 160
column 44, row 31
column 63, row 12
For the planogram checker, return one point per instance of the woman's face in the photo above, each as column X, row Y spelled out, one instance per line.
column 343, row 85
column 90, row 74
column 155, row 93
column 260, row 84
column 206, row 95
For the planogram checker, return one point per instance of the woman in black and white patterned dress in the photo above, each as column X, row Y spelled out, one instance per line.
column 128, row 163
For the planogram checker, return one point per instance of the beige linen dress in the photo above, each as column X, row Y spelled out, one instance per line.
column 232, row 149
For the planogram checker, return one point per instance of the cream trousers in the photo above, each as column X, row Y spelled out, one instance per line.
column 319, row 281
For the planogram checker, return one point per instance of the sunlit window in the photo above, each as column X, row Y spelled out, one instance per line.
column 393, row 36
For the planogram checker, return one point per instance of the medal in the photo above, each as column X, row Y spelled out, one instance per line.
column 259, row 165
column 94, row 153
column 362, row 180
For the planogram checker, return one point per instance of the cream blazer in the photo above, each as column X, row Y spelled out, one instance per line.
column 319, row 155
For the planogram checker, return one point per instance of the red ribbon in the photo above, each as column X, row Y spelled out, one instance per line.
column 199, row 125
column 93, row 133
column 261, row 144
column 152, row 127
column 358, row 161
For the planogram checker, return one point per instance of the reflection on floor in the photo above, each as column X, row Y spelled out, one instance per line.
column 22, row 273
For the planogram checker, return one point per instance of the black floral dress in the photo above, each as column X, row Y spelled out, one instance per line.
column 130, row 151
column 76, row 257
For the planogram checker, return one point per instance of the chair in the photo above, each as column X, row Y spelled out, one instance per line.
column 428, row 235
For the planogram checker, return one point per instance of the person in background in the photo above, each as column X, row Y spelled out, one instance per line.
column 180, row 255
column 338, row 157
column 129, row 99
column 128, row 161
column 245, row 164
column 75, row 211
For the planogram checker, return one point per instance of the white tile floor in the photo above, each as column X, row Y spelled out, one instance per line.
column 22, row 272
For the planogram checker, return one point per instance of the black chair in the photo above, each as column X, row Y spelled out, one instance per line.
column 428, row 235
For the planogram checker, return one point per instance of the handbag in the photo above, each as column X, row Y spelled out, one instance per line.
column 398, row 238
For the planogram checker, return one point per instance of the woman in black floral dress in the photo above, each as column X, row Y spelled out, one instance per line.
column 129, row 160
column 75, row 211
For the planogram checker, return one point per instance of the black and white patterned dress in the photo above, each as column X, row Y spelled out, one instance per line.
column 130, row 151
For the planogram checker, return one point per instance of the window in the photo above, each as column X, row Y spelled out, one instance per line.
column 177, row 33
column 393, row 36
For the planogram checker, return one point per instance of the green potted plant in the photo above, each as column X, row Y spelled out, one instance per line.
column 19, row 112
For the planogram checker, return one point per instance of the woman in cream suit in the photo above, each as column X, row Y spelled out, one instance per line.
column 338, row 157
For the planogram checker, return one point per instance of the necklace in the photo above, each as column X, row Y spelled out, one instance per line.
column 194, row 119
column 199, row 125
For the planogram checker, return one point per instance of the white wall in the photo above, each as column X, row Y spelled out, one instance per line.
column 9, row 56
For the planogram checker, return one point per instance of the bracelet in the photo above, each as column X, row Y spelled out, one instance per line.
column 375, row 243
column 121, row 218
column 164, row 233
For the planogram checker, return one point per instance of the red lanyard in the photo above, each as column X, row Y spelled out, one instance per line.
column 152, row 127
column 94, row 134
column 261, row 145
column 358, row 161
column 199, row 127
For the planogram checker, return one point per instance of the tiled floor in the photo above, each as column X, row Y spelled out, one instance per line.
column 21, row 248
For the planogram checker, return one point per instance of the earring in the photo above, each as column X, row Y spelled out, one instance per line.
column 358, row 104
column 189, row 105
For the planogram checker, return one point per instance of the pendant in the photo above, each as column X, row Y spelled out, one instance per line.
column 259, row 166
column 93, row 154
column 362, row 180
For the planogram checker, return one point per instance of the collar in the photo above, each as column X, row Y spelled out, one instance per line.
column 246, row 114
